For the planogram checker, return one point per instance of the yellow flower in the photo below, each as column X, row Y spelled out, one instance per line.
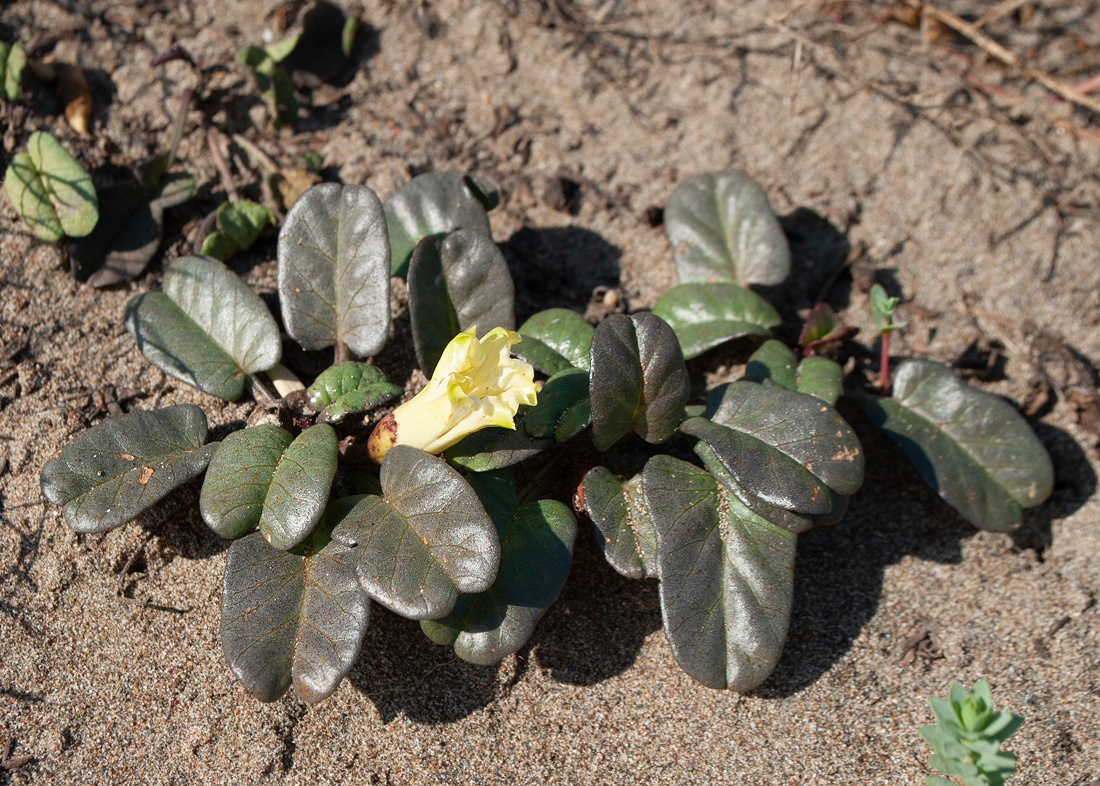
column 476, row 384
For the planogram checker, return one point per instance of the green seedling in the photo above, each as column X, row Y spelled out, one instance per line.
column 967, row 738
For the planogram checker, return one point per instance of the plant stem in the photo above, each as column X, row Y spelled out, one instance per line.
column 340, row 353
column 259, row 387
column 884, row 364
column 177, row 129
column 219, row 162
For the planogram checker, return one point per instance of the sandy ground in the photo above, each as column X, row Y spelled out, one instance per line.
column 977, row 204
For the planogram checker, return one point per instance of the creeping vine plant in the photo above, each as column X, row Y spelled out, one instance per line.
column 465, row 541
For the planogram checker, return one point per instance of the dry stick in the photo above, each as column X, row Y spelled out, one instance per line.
column 219, row 162
column 1009, row 58
column 1003, row 8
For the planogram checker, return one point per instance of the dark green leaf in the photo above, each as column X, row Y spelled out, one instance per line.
column 12, row 60
column 624, row 530
column 780, row 517
column 554, row 340
column 536, row 550
column 292, row 617
column 349, row 388
column 726, row 577
column 206, row 328
column 721, row 226
column 563, row 409
column 112, row 472
column 974, row 449
column 239, row 224
column 334, row 281
column 496, row 448
column 814, row 376
column 299, row 488
column 787, row 448
column 238, row 479
column 425, row 540
column 129, row 232
column 51, row 191
column 455, row 283
column 638, row 381
column 706, row 315
column 434, row 203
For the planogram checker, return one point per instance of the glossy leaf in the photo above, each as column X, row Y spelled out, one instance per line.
column 555, row 340
column 455, row 283
column 299, row 489
column 51, row 191
column 814, row 376
column 780, row 517
column 974, row 449
column 496, row 448
column 112, row 472
column 789, row 449
column 334, row 279
column 349, row 388
column 239, row 477
column 563, row 409
column 434, row 203
column 706, row 315
column 424, row 541
column 12, row 60
column 536, row 551
column 638, row 380
column 206, row 328
column 130, row 230
column 624, row 529
column 239, row 224
column 726, row 577
column 721, row 226
column 292, row 617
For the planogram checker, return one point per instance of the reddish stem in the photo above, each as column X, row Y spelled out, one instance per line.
column 884, row 365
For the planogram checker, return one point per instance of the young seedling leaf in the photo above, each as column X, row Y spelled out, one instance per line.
column 563, row 409
column 292, row 617
column 536, row 550
column 349, row 388
column 455, row 283
column 974, row 449
column 721, row 226
column 130, row 229
column 624, row 530
column 780, row 517
column 814, row 376
column 262, row 476
column 968, row 736
column 882, row 310
column 206, row 328
column 112, row 472
column 638, row 381
column 789, row 449
column 726, row 576
column 704, row 316
column 12, row 61
column 51, row 191
column 239, row 224
column 496, row 448
column 434, row 203
column 239, row 478
column 334, row 258
column 424, row 541
column 555, row 340
column 823, row 331
column 273, row 82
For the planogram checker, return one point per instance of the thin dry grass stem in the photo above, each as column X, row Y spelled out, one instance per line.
column 1007, row 57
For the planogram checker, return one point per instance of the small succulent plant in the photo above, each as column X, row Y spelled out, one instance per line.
column 967, row 738
column 447, row 516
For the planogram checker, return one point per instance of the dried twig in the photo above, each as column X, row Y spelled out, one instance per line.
column 1009, row 58
column 219, row 162
column 1003, row 8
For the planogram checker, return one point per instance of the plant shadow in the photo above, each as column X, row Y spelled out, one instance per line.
column 840, row 570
